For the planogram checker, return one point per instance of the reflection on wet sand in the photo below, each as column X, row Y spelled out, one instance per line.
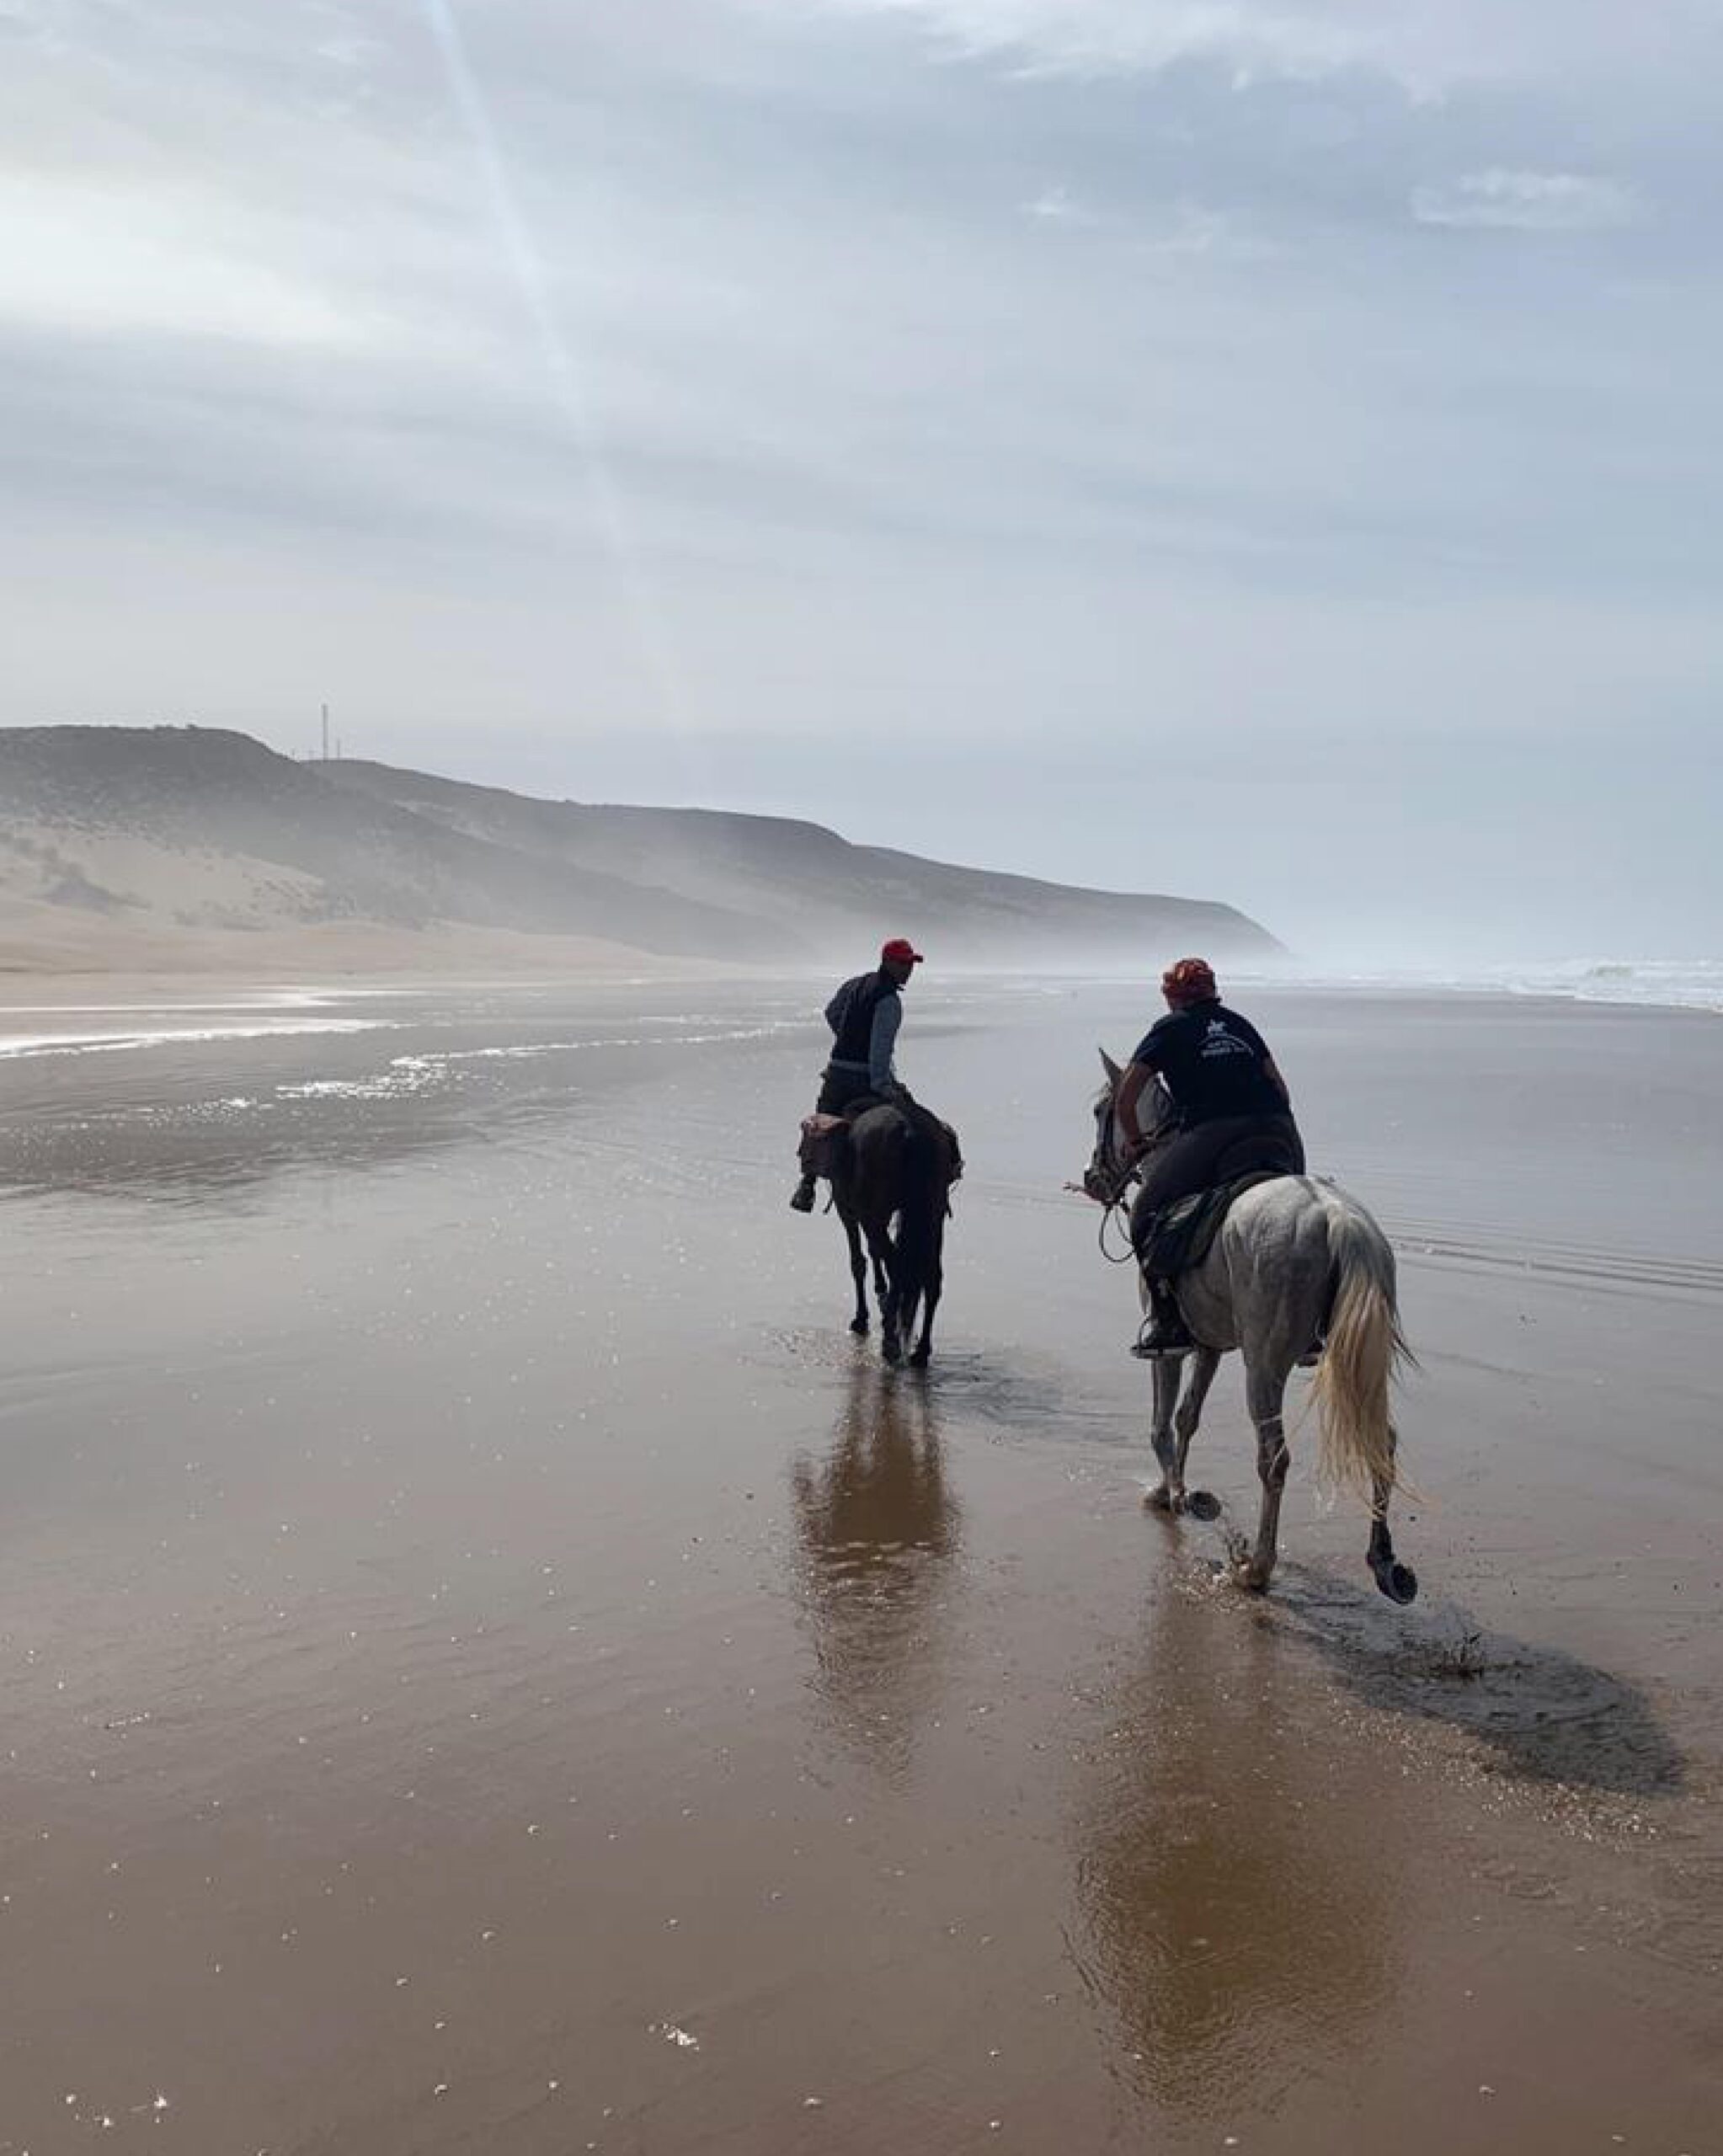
column 183, row 1148
column 877, row 1524
column 1240, row 1900
column 194, row 1120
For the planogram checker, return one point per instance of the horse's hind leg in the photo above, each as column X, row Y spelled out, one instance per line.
column 1398, row 1581
column 858, row 1270
column 930, row 1293
column 879, row 1250
column 1266, row 1395
column 906, row 1301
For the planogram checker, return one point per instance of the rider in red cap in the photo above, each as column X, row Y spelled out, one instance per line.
column 1235, row 1114
column 864, row 1016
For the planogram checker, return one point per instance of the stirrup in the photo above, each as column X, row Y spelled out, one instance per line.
column 1148, row 1349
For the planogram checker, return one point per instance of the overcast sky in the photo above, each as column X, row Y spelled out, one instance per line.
column 1271, row 450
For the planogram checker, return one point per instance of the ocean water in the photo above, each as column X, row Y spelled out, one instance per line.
column 281, row 1015
column 1670, row 983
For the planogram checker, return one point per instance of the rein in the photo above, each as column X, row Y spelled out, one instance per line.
column 1119, row 1209
column 1114, row 1207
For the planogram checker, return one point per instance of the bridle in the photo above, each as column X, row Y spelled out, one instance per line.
column 1111, row 1194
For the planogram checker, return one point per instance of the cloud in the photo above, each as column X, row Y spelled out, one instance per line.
column 968, row 372
column 1170, row 230
column 1101, row 36
column 1424, row 48
column 102, row 261
column 1503, row 201
column 1189, row 228
column 1057, row 205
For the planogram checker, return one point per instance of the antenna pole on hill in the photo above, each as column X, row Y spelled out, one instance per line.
column 326, row 734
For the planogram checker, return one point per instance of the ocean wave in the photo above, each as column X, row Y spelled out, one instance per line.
column 414, row 1074
column 1687, row 984
column 1662, row 984
column 516, row 1051
column 19, row 1045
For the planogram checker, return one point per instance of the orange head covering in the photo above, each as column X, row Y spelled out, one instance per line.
column 1192, row 980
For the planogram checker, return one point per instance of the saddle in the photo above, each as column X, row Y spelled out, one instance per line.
column 1182, row 1234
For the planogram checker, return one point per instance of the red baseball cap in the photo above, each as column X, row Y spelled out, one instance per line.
column 900, row 949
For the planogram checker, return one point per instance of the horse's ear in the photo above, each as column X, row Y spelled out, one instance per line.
column 1113, row 1072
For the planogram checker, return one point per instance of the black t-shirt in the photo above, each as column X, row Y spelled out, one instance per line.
column 1214, row 1064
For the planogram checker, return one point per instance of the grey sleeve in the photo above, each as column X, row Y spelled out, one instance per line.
column 887, row 1016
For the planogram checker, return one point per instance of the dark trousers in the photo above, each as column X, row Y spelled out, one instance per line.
column 838, row 1088
column 842, row 1089
column 1211, row 1153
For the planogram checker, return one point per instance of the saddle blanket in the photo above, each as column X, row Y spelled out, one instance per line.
column 825, row 1140
column 1181, row 1235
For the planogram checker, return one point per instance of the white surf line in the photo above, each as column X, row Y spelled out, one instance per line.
column 24, row 1045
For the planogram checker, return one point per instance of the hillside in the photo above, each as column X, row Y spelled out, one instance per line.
column 783, row 871
column 111, row 836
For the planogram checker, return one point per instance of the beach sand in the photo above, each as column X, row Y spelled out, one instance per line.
column 57, row 954
column 492, row 1666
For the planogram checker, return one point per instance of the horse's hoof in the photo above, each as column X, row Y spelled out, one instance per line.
column 1251, row 1576
column 1398, row 1581
column 921, row 1357
column 892, row 1350
column 1203, row 1504
column 858, row 1326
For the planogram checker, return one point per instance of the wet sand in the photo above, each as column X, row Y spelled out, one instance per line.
column 491, row 1666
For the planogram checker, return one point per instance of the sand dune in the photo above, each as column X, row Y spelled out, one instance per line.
column 129, row 847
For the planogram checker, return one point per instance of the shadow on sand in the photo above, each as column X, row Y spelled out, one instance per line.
column 1540, row 1715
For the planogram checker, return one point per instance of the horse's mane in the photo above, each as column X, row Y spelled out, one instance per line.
column 1163, row 1109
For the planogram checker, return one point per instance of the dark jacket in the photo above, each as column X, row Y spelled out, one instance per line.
column 850, row 1014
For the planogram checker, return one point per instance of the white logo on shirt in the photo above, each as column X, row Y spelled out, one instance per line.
column 1219, row 1041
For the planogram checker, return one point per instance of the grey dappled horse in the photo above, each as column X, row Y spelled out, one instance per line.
column 897, row 1170
column 1296, row 1260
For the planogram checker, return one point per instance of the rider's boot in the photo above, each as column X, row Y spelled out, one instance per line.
column 1167, row 1333
column 801, row 1199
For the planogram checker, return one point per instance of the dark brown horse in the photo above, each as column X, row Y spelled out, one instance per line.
column 892, row 1188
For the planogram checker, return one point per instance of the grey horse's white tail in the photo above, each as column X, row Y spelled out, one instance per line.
column 1365, row 1348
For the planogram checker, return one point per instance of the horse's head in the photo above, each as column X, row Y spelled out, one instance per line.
column 1109, row 1174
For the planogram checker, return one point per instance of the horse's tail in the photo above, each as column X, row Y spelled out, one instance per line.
column 1365, row 1348
column 922, row 1209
